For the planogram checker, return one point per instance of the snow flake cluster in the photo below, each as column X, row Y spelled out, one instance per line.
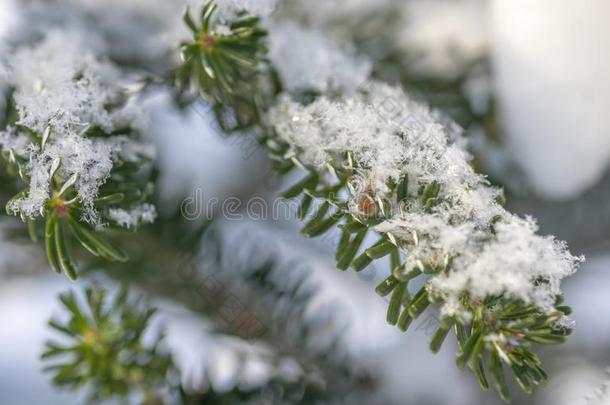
column 307, row 59
column 367, row 124
column 59, row 83
column 62, row 90
column 90, row 160
column 487, row 250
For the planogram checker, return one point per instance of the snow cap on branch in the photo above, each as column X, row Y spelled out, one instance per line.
column 389, row 134
column 60, row 83
column 516, row 262
column 61, row 90
column 490, row 251
column 91, row 160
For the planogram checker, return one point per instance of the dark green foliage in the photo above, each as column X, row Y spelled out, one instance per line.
column 221, row 66
column 396, row 303
column 506, row 329
column 61, row 216
column 103, row 348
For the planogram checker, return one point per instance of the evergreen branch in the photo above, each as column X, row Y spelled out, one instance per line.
column 81, row 168
column 407, row 208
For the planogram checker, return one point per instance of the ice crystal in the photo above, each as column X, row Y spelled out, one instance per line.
column 59, row 83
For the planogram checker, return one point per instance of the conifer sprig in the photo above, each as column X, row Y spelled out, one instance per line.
column 62, row 212
column 81, row 167
column 221, row 60
column 103, row 347
column 497, row 329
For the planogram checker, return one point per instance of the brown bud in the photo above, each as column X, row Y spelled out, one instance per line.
column 59, row 207
column 367, row 205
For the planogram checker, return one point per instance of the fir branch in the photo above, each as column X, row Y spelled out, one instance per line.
column 411, row 182
column 70, row 137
